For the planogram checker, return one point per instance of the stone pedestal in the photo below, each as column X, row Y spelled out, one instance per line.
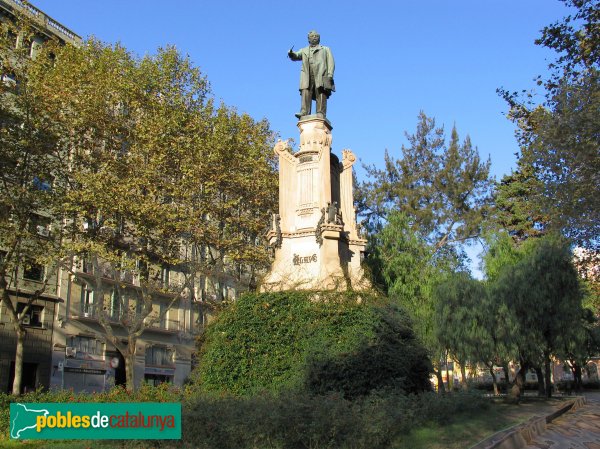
column 315, row 237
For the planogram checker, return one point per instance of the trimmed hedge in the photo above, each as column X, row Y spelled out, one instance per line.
column 317, row 342
column 291, row 421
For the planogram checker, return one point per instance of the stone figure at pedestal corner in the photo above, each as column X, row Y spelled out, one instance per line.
column 316, row 75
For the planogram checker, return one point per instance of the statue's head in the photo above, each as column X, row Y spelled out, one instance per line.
column 314, row 38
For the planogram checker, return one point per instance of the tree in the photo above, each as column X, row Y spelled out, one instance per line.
column 419, row 210
column 470, row 325
column 581, row 347
column 237, row 191
column 543, row 292
column 560, row 137
column 30, row 185
column 443, row 188
column 410, row 268
column 516, row 204
column 158, row 182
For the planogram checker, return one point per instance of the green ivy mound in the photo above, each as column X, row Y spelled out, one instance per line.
column 316, row 341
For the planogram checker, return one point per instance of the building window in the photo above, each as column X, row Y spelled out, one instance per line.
column 33, row 316
column 162, row 313
column 36, row 47
column 33, row 271
column 115, row 305
column 157, row 379
column 43, row 183
column 86, row 266
column 139, row 302
column 9, row 80
column 83, row 346
column 39, row 225
column 87, row 302
column 159, row 356
column 165, row 274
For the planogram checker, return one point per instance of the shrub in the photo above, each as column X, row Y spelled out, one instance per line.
column 320, row 342
column 392, row 358
column 287, row 420
column 591, row 385
column 320, row 421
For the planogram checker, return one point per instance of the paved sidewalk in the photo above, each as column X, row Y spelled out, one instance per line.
column 577, row 429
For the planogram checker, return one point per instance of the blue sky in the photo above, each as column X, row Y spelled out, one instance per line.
column 393, row 59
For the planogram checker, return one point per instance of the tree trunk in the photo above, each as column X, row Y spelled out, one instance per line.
column 440, row 381
column 129, row 357
column 494, row 380
column 540, row 376
column 548, row 376
column 506, row 376
column 463, row 373
column 577, row 378
column 517, row 388
column 16, row 386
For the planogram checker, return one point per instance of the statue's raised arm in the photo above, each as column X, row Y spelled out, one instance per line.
column 316, row 75
column 294, row 55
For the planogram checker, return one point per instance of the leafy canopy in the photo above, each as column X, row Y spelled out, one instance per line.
column 442, row 187
column 560, row 136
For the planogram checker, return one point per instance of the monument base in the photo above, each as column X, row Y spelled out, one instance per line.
column 315, row 237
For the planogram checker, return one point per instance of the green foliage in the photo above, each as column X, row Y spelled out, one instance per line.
column 576, row 38
column 443, row 188
column 294, row 421
column 297, row 340
column 472, row 325
column 517, row 204
column 420, row 209
column 152, row 175
column 459, row 328
column 539, row 287
column 544, row 293
column 153, row 160
column 410, row 267
column 391, row 359
column 289, row 420
column 31, row 181
column 559, row 138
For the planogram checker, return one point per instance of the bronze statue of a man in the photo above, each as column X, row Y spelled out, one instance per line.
column 316, row 76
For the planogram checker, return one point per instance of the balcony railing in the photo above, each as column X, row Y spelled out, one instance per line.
column 88, row 311
column 167, row 325
column 45, row 20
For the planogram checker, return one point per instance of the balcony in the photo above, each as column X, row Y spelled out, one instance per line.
column 44, row 19
column 86, row 312
column 165, row 325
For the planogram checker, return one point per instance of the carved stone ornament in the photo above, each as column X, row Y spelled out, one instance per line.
column 319, row 229
column 276, row 226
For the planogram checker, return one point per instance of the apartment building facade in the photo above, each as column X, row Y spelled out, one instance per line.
column 39, row 316
column 66, row 345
